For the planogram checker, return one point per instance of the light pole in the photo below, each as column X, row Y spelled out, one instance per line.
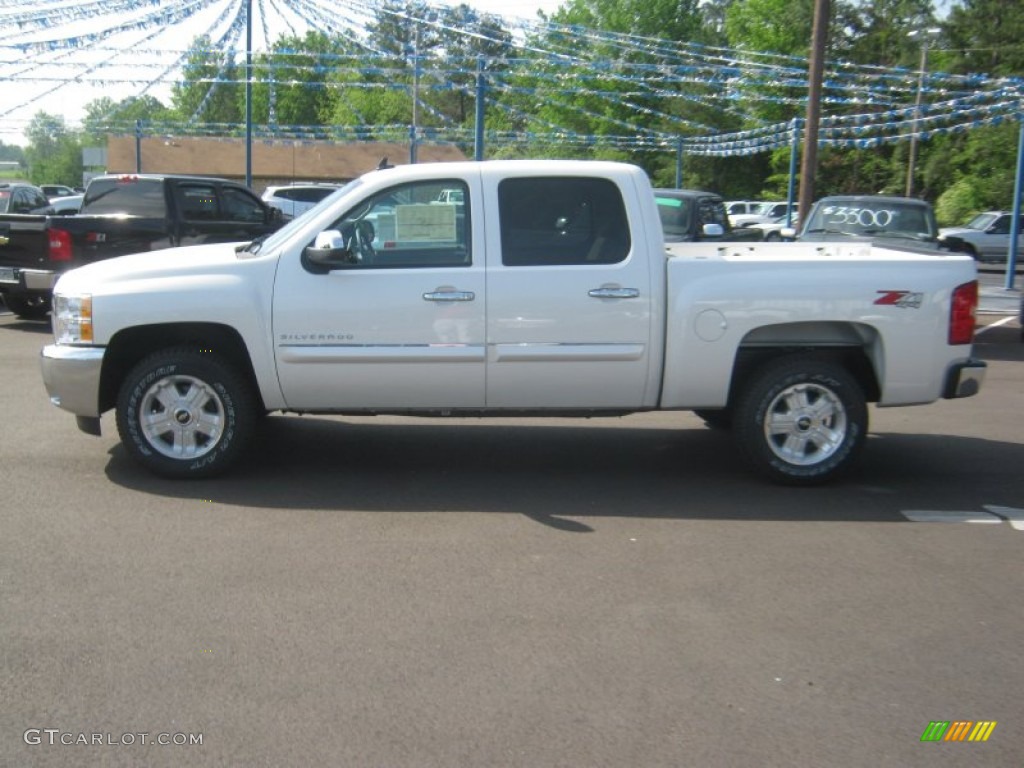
column 925, row 36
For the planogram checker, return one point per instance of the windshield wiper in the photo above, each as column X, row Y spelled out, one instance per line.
column 897, row 235
column 827, row 231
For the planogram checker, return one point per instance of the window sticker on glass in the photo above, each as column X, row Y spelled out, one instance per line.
column 425, row 222
column 862, row 217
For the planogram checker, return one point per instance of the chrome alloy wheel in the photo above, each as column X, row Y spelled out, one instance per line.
column 805, row 424
column 182, row 417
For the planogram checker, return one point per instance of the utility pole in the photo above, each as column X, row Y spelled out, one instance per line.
column 809, row 161
column 415, row 95
column 926, row 36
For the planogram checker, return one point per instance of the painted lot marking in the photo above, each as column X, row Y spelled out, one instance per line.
column 993, row 514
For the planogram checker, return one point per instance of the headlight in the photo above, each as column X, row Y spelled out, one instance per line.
column 72, row 319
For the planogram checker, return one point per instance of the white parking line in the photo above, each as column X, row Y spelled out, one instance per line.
column 949, row 516
column 1012, row 515
column 996, row 324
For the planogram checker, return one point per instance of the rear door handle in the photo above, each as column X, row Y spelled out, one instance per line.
column 609, row 292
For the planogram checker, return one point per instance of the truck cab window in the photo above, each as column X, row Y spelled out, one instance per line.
column 420, row 224
column 562, row 221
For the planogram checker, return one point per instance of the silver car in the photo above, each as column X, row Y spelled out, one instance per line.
column 986, row 237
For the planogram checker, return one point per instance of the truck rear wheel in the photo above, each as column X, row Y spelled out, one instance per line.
column 184, row 413
column 28, row 307
column 802, row 420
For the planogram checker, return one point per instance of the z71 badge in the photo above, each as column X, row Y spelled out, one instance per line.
column 904, row 299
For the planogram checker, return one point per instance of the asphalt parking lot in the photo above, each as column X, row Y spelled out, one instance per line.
column 612, row 592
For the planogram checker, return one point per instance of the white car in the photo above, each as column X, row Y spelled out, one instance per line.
column 295, row 199
column 986, row 237
column 771, row 231
column 740, row 207
column 763, row 214
column 53, row 191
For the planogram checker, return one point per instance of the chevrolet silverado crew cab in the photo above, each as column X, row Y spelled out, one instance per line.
column 542, row 287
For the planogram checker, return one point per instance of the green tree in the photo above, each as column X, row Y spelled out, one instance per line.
column 975, row 169
column 211, row 87
column 291, row 85
column 105, row 116
column 54, row 152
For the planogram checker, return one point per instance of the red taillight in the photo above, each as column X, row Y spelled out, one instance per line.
column 60, row 244
column 962, row 312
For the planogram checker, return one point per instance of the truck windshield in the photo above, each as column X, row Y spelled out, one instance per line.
column 982, row 221
column 889, row 218
column 298, row 224
column 125, row 194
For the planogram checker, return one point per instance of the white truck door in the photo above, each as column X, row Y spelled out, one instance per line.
column 569, row 296
column 403, row 325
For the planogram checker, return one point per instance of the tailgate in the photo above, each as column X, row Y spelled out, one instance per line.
column 24, row 244
column 104, row 237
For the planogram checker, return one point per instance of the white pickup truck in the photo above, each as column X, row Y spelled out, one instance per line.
column 508, row 288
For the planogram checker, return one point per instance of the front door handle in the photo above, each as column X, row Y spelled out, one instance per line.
column 449, row 296
column 610, row 292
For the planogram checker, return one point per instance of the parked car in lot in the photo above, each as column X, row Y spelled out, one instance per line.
column 736, row 207
column 986, row 237
column 873, row 218
column 20, row 197
column 763, row 214
column 56, row 190
column 771, row 231
column 295, row 199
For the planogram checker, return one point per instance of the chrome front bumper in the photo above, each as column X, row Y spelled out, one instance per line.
column 72, row 379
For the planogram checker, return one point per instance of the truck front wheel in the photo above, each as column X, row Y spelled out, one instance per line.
column 802, row 420
column 185, row 413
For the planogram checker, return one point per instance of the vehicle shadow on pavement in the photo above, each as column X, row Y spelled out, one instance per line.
column 1002, row 343
column 566, row 477
column 28, row 326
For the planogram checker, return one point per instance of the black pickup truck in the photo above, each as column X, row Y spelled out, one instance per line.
column 689, row 215
column 122, row 215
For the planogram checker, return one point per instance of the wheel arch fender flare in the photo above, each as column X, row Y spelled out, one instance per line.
column 130, row 345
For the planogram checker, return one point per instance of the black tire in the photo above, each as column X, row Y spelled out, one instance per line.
column 28, row 307
column 183, row 413
column 773, row 237
column 717, row 418
column 802, row 420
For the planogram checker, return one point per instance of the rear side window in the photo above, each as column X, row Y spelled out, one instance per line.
column 562, row 221
column 711, row 211
column 139, row 197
